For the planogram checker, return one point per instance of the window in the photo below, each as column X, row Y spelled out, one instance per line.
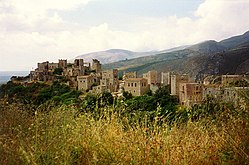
column 135, row 84
column 128, row 84
column 132, row 84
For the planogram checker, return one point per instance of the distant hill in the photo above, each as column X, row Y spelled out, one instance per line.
column 114, row 55
column 210, row 57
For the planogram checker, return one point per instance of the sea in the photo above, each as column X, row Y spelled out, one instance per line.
column 6, row 75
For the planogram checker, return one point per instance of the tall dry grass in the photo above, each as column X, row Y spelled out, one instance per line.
column 62, row 137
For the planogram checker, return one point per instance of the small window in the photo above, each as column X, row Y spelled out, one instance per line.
column 135, row 84
column 132, row 84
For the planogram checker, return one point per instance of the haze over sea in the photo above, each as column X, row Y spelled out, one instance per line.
column 6, row 75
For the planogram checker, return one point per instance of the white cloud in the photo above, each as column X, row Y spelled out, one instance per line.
column 220, row 19
column 33, row 31
column 40, row 7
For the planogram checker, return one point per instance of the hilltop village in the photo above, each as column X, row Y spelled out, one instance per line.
column 89, row 77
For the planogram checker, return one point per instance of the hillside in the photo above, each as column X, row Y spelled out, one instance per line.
column 114, row 55
column 236, row 40
column 208, row 47
column 209, row 57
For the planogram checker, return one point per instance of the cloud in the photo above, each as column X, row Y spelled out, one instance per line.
column 223, row 18
column 40, row 7
column 34, row 31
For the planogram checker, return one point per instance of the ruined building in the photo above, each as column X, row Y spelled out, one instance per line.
column 96, row 66
column 190, row 94
column 136, row 86
column 165, row 78
column 175, row 81
column 108, row 82
column 152, row 77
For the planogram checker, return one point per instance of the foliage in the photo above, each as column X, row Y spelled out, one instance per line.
column 141, row 103
column 38, row 93
column 59, row 136
column 101, row 130
column 239, row 83
column 89, row 102
column 58, row 71
column 106, row 99
column 149, row 92
column 127, row 95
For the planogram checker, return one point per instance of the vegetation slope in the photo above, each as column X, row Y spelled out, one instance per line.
column 225, row 57
column 98, row 129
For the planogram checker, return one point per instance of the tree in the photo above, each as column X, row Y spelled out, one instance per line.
column 148, row 92
column 163, row 97
column 58, row 71
column 90, row 102
column 106, row 99
column 127, row 95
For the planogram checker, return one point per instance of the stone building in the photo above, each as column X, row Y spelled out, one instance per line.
column 165, row 78
column 110, row 79
column 52, row 66
column 78, row 67
column 214, row 91
column 190, row 94
column 152, row 77
column 100, row 89
column 128, row 75
column 86, row 82
column 96, row 66
column 136, row 86
column 235, row 95
column 175, row 81
column 43, row 72
column 62, row 64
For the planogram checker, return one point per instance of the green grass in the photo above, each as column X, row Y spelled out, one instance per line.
column 62, row 136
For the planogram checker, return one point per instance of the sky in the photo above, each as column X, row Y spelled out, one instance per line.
column 33, row 31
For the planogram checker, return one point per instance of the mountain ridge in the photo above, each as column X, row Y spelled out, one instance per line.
column 209, row 57
column 114, row 55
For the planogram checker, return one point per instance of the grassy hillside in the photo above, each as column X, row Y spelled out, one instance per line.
column 194, row 63
column 62, row 136
column 51, row 124
column 141, row 63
